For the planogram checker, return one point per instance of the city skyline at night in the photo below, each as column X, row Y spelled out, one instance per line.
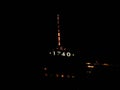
column 59, row 67
column 95, row 42
column 69, row 44
column 60, row 49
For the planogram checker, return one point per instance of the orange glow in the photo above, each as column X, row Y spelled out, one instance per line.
column 62, row 76
column 58, row 38
column 90, row 66
column 59, row 43
column 88, row 63
column 105, row 64
column 58, row 34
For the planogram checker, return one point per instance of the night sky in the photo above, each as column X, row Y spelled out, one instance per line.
column 30, row 30
column 91, row 29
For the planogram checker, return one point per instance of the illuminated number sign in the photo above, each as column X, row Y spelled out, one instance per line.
column 68, row 54
column 60, row 53
column 63, row 54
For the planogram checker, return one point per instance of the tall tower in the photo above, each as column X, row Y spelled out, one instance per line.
column 58, row 27
column 60, row 50
column 59, row 46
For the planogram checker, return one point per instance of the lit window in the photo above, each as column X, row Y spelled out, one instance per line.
column 62, row 76
column 89, row 66
column 88, row 63
column 58, row 34
column 105, row 64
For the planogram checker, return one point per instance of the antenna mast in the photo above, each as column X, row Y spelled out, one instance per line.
column 58, row 27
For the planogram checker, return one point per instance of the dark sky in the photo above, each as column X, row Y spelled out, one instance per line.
column 90, row 28
column 29, row 30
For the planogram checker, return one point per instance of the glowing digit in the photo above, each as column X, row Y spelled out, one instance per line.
column 58, row 52
column 63, row 54
column 68, row 54
column 54, row 53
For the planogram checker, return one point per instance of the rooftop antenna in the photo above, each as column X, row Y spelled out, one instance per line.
column 58, row 27
column 58, row 34
column 60, row 49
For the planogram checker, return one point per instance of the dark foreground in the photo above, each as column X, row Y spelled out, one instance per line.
column 99, row 78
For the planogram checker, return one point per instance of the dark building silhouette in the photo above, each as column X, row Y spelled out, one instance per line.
column 62, row 63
